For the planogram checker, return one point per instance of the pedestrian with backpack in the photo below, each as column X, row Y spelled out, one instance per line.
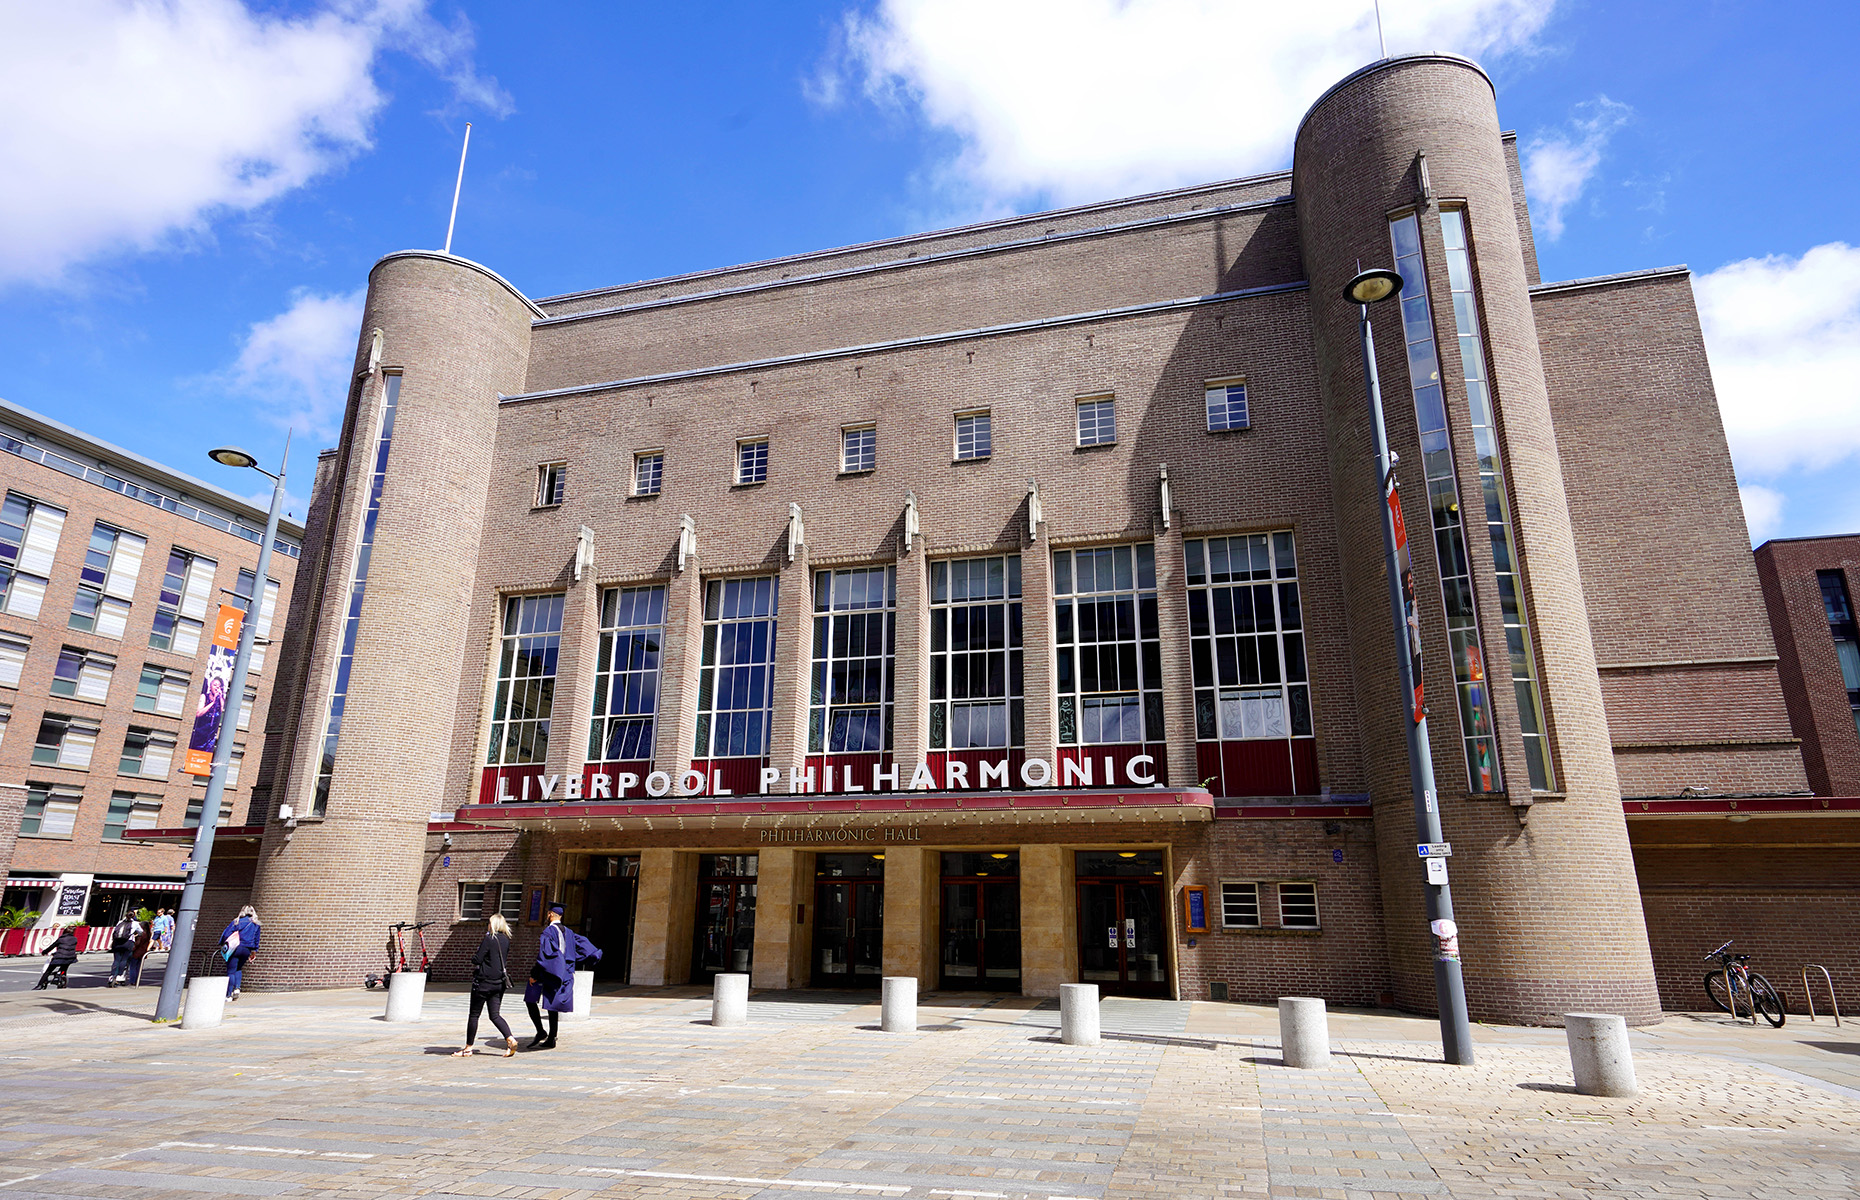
column 122, row 944
column 237, row 943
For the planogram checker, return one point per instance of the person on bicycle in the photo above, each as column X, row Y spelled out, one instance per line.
column 552, row 979
column 237, row 943
column 64, row 956
column 490, row 978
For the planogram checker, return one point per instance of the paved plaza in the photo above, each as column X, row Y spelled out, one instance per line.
column 313, row 1094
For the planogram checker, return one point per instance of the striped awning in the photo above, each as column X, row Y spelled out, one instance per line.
column 35, row 883
column 139, row 885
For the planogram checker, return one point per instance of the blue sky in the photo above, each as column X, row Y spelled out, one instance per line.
column 192, row 191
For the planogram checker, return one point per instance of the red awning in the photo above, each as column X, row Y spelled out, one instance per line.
column 35, row 883
column 139, row 885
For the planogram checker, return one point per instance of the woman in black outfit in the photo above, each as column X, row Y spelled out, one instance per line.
column 488, row 981
column 63, row 952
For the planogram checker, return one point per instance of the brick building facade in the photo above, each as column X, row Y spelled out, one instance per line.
column 111, row 571
column 1006, row 605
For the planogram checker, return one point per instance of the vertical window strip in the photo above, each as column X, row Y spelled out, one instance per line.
column 13, row 651
column 976, row 672
column 1109, row 646
column 1837, row 602
column 1511, row 591
column 29, row 532
column 736, row 679
column 524, row 701
column 358, row 589
column 855, row 649
column 1443, row 501
column 1246, row 638
column 626, row 679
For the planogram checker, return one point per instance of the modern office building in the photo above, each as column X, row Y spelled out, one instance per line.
column 112, row 568
column 1006, row 605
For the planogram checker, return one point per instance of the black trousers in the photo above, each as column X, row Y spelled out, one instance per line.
column 481, row 1002
column 536, row 1019
column 54, row 966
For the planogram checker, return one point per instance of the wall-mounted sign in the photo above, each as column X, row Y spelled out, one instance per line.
column 1195, row 905
column 71, row 898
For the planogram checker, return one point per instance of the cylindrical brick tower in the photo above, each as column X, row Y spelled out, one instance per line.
column 1543, row 881
column 441, row 338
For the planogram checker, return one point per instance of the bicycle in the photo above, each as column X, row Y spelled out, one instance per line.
column 397, row 952
column 1734, row 985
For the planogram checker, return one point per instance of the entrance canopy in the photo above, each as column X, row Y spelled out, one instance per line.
column 795, row 815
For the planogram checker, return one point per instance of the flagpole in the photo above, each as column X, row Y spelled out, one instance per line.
column 460, row 183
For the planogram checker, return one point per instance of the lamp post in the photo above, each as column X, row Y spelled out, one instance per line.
column 1365, row 289
column 168, row 1007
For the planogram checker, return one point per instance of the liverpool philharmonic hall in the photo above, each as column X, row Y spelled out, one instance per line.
column 1005, row 606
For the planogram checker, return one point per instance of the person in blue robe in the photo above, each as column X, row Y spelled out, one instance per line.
column 552, row 979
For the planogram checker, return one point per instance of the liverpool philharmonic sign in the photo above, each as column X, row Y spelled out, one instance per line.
column 1085, row 771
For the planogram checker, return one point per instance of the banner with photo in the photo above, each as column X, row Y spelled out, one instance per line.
column 215, row 692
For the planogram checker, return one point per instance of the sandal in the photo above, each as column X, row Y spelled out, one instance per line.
column 510, row 1047
column 467, row 1052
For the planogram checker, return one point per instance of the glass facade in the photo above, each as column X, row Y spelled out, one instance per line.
column 525, row 697
column 626, row 680
column 736, row 682
column 975, row 654
column 1109, row 652
column 855, row 648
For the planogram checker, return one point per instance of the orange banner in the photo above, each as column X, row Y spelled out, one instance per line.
column 215, row 693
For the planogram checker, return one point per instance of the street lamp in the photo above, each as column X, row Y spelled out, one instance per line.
column 168, row 1007
column 1365, row 289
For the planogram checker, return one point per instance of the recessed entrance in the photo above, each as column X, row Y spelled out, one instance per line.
column 981, row 921
column 726, row 916
column 600, row 908
column 1123, row 922
column 849, row 919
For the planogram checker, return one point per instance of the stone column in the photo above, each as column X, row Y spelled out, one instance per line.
column 1048, row 919
column 1178, row 674
column 794, row 660
column 911, row 669
column 678, row 672
column 778, row 890
column 908, row 876
column 1036, row 590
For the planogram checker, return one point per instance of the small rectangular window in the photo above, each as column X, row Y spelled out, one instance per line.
column 29, row 532
column 648, row 472
column 1227, row 405
column 1298, row 905
column 197, row 803
column 974, row 437
column 551, row 484
column 510, row 900
column 471, row 901
column 858, row 449
column 147, row 752
column 50, row 812
column 752, row 460
column 129, row 811
column 1097, row 421
column 13, row 651
column 83, row 674
column 161, row 691
column 1239, row 905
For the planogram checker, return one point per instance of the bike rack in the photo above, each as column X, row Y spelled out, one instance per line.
column 1832, row 1001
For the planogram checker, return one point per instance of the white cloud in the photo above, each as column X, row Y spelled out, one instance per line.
column 297, row 365
column 1784, row 337
column 1071, row 100
column 1763, row 510
column 1559, row 167
column 131, row 125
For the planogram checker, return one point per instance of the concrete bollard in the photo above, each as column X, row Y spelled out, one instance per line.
column 406, row 995
column 897, row 1002
column 206, row 1002
column 1304, row 1031
column 1599, row 1055
column 584, row 995
column 1078, row 1014
column 729, row 1003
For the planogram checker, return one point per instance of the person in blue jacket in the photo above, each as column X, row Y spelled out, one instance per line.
column 552, row 979
column 237, row 942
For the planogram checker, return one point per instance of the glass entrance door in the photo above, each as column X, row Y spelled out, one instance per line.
column 1123, row 922
column 601, row 907
column 849, row 920
column 725, row 929
column 981, row 921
